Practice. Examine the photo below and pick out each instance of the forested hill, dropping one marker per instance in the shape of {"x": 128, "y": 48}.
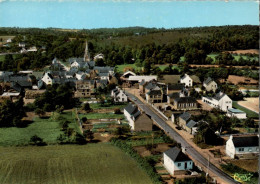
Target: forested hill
{"x": 133, "y": 45}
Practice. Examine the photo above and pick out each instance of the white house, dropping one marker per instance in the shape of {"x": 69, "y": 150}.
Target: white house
{"x": 21, "y": 44}
{"x": 176, "y": 162}
{"x": 9, "y": 40}
{"x": 32, "y": 49}
{"x": 232, "y": 112}
{"x": 118, "y": 95}
{"x": 221, "y": 101}
{"x": 138, "y": 121}
{"x": 98, "y": 56}
{"x": 139, "y": 78}
{"x": 47, "y": 79}
{"x": 187, "y": 80}
{"x": 128, "y": 74}
{"x": 242, "y": 147}
{"x": 210, "y": 85}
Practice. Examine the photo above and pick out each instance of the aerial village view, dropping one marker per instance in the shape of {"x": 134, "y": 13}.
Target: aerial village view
{"x": 129, "y": 92}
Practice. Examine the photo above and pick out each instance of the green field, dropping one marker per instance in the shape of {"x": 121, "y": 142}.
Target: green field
{"x": 120, "y": 68}
{"x": 101, "y": 116}
{"x": 47, "y": 129}
{"x": 98, "y": 106}
{"x": 248, "y": 112}
{"x": 69, "y": 164}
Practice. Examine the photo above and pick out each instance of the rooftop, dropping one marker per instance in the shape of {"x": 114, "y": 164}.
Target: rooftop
{"x": 176, "y": 155}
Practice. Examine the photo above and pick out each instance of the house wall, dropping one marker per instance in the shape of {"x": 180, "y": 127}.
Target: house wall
{"x": 168, "y": 164}
{"x": 143, "y": 123}
{"x": 181, "y": 165}
{"x": 185, "y": 106}
{"x": 187, "y": 81}
{"x": 121, "y": 97}
{"x": 182, "y": 122}
{"x": 211, "y": 86}
{"x": 238, "y": 115}
{"x": 47, "y": 80}
{"x": 230, "y": 148}
{"x": 128, "y": 117}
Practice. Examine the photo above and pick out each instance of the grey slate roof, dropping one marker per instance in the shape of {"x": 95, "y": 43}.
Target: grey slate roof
{"x": 219, "y": 95}
{"x": 142, "y": 83}
{"x": 191, "y": 124}
{"x": 207, "y": 81}
{"x": 174, "y": 95}
{"x": 251, "y": 141}
{"x": 131, "y": 109}
{"x": 176, "y": 155}
{"x": 186, "y": 100}
{"x": 150, "y": 86}
{"x": 154, "y": 92}
{"x": 175, "y": 86}
{"x": 185, "y": 116}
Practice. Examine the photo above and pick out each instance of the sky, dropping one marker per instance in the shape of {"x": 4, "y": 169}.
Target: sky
{"x": 90, "y": 14}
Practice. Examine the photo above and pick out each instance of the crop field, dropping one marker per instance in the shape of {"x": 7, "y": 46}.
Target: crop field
{"x": 47, "y": 129}
{"x": 69, "y": 164}
{"x": 248, "y": 112}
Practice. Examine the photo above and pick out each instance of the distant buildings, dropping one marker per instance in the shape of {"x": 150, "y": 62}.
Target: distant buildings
{"x": 118, "y": 95}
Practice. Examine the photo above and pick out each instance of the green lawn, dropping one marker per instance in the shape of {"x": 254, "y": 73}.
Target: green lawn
{"x": 98, "y": 106}
{"x": 69, "y": 164}
{"x": 101, "y": 116}
{"x": 120, "y": 68}
{"x": 47, "y": 129}
{"x": 248, "y": 112}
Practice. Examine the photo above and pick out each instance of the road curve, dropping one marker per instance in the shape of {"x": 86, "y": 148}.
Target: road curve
{"x": 176, "y": 136}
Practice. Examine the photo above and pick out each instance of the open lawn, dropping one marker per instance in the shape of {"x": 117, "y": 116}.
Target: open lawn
{"x": 69, "y": 164}
{"x": 98, "y": 106}
{"x": 101, "y": 116}
{"x": 120, "y": 68}
{"x": 248, "y": 112}
{"x": 47, "y": 129}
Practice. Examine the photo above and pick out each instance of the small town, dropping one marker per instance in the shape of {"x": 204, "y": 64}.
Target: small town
{"x": 129, "y": 105}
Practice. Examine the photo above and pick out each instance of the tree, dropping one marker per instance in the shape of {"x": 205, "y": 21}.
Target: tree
{"x": 86, "y": 107}
{"x": 117, "y": 111}
{"x": 249, "y": 122}
{"x": 88, "y": 134}
{"x": 35, "y": 140}
{"x": 39, "y": 112}
{"x": 80, "y": 139}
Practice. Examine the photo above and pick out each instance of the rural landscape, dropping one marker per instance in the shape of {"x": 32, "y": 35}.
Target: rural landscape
{"x": 129, "y": 105}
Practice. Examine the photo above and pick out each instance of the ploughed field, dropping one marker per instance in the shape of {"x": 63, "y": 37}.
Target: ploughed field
{"x": 69, "y": 164}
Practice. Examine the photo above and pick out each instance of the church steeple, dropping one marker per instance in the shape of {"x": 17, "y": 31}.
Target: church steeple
{"x": 86, "y": 54}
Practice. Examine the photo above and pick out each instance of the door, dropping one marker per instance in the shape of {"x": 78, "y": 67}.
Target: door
{"x": 185, "y": 165}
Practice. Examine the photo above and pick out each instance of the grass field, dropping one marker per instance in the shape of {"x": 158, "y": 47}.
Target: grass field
{"x": 47, "y": 129}
{"x": 101, "y": 116}
{"x": 120, "y": 68}
{"x": 98, "y": 106}
{"x": 248, "y": 112}
{"x": 2, "y": 57}
{"x": 69, "y": 164}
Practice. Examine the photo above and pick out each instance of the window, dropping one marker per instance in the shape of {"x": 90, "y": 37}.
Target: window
{"x": 241, "y": 149}
{"x": 179, "y": 164}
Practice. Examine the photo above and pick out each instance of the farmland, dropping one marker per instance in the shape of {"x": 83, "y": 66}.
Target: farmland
{"x": 248, "y": 112}
{"x": 101, "y": 116}
{"x": 46, "y": 128}
{"x": 69, "y": 164}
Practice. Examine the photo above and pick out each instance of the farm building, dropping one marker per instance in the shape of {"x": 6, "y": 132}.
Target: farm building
{"x": 221, "y": 101}
{"x": 232, "y": 112}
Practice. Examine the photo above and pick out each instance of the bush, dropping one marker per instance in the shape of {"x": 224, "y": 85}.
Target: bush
{"x": 117, "y": 111}
{"x": 144, "y": 164}
{"x": 39, "y": 112}
{"x": 35, "y": 140}
{"x": 86, "y": 107}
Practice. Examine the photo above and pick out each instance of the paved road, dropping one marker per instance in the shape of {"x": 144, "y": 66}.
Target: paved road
{"x": 189, "y": 149}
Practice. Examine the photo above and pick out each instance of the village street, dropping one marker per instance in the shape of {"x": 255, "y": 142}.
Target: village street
{"x": 199, "y": 158}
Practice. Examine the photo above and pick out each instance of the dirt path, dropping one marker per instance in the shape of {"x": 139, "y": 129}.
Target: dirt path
{"x": 251, "y": 104}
